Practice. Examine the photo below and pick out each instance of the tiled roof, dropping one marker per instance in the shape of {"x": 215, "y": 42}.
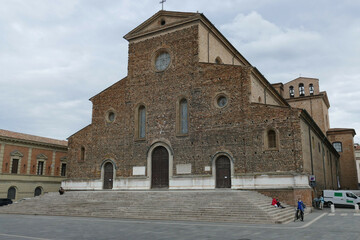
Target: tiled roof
{"x": 28, "y": 137}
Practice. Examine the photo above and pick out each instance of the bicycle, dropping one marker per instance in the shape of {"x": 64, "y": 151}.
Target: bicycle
{"x": 299, "y": 214}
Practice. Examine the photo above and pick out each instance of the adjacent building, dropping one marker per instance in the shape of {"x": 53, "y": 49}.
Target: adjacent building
{"x": 357, "y": 157}
{"x": 305, "y": 93}
{"x": 30, "y": 165}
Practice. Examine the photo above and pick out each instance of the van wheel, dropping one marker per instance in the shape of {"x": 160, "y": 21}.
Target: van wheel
{"x": 329, "y": 204}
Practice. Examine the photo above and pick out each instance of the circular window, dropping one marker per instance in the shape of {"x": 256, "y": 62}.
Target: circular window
{"x": 222, "y": 101}
{"x": 111, "y": 116}
{"x": 162, "y": 61}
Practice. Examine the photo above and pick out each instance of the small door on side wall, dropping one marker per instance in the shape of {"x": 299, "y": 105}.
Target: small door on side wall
{"x": 37, "y": 192}
{"x": 11, "y": 193}
{"x": 108, "y": 175}
{"x": 223, "y": 172}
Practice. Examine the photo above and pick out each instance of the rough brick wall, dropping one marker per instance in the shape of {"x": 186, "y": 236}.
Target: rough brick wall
{"x": 237, "y": 129}
{"x": 291, "y": 196}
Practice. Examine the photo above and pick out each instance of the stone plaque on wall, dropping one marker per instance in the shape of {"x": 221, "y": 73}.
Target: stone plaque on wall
{"x": 207, "y": 168}
{"x": 139, "y": 171}
{"x": 183, "y": 168}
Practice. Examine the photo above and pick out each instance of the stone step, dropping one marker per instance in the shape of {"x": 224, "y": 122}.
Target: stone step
{"x": 222, "y": 206}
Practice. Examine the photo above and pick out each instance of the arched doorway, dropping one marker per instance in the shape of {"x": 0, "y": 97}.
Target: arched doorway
{"x": 37, "y": 192}
{"x": 223, "y": 172}
{"x": 11, "y": 193}
{"x": 160, "y": 168}
{"x": 108, "y": 175}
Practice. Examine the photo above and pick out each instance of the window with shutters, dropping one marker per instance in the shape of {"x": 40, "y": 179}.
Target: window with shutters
{"x": 15, "y": 166}
{"x": 63, "y": 169}
{"x": 40, "y": 168}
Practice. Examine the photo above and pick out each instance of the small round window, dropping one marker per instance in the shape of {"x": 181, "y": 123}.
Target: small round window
{"x": 111, "y": 116}
{"x": 162, "y": 61}
{"x": 222, "y": 101}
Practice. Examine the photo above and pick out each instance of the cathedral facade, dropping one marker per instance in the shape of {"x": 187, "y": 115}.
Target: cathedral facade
{"x": 193, "y": 113}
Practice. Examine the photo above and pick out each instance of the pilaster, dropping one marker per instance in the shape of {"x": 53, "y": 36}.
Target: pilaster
{"x": 2, "y": 149}
{"x": 53, "y": 163}
{"x": 29, "y": 161}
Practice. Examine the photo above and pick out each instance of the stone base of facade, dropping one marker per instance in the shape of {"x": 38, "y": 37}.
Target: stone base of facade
{"x": 25, "y": 185}
{"x": 286, "y": 187}
{"x": 290, "y": 196}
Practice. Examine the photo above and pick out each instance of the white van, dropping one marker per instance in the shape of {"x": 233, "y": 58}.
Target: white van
{"x": 340, "y": 197}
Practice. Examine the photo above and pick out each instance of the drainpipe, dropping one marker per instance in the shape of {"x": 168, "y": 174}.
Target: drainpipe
{"x": 311, "y": 154}
{"x": 323, "y": 157}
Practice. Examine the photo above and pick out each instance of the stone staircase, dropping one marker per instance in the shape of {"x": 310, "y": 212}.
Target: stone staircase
{"x": 205, "y": 205}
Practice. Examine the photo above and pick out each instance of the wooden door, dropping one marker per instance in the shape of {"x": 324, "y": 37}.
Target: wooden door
{"x": 108, "y": 175}
{"x": 160, "y": 168}
{"x": 11, "y": 193}
{"x": 223, "y": 172}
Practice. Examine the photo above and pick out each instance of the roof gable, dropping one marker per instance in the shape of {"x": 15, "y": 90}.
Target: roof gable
{"x": 160, "y": 21}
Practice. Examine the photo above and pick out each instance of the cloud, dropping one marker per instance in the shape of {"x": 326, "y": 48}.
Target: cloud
{"x": 55, "y": 55}
{"x": 329, "y": 52}
{"x": 261, "y": 39}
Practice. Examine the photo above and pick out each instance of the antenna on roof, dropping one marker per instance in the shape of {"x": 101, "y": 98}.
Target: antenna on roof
{"x": 162, "y": 4}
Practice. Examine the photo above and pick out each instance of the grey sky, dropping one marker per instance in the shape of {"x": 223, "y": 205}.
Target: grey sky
{"x": 56, "y": 54}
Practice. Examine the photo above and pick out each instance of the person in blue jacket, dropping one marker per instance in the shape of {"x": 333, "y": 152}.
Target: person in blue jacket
{"x": 300, "y": 210}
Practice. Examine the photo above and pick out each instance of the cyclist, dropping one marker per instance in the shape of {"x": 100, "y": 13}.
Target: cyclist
{"x": 300, "y": 210}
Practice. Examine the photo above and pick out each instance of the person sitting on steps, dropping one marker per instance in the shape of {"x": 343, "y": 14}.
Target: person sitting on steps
{"x": 61, "y": 191}
{"x": 276, "y": 203}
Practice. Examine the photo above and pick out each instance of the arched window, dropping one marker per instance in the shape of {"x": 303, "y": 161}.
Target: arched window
{"x": 311, "y": 89}
{"x": 271, "y": 139}
{"x": 301, "y": 89}
{"x": 82, "y": 156}
{"x": 218, "y": 60}
{"x": 291, "y": 91}
{"x": 337, "y": 146}
{"x": 37, "y": 191}
{"x": 141, "y": 121}
{"x": 11, "y": 193}
{"x": 183, "y": 116}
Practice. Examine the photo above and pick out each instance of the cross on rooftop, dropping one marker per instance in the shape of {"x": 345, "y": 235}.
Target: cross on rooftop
{"x": 162, "y": 4}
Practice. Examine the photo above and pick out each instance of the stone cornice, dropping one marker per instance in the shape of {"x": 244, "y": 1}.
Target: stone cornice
{"x": 321, "y": 95}
{"x": 337, "y": 131}
{"x": 16, "y": 153}
{"x": 29, "y": 143}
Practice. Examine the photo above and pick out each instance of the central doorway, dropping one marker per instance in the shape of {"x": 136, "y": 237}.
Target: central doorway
{"x": 108, "y": 175}
{"x": 160, "y": 168}
{"x": 223, "y": 172}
